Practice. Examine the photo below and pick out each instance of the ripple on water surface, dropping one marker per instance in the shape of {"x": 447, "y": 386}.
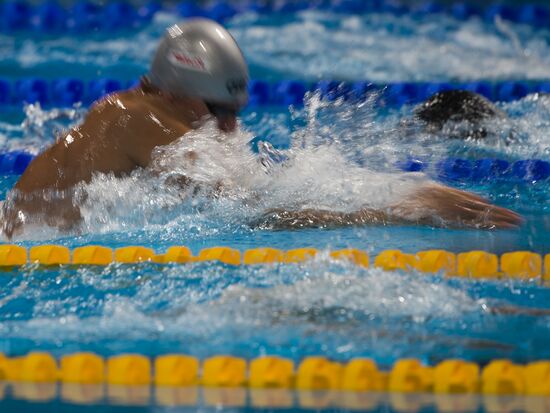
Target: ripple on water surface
{"x": 338, "y": 156}
{"x": 291, "y": 310}
{"x": 377, "y": 47}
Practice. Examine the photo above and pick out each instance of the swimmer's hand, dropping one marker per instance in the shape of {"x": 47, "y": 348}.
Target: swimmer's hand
{"x": 439, "y": 205}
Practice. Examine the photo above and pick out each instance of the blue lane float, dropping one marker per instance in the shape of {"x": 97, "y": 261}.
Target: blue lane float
{"x": 84, "y": 16}
{"x": 449, "y": 169}
{"x": 532, "y": 14}
{"x": 531, "y": 170}
{"x": 14, "y": 163}
{"x": 481, "y": 170}
{"x": 81, "y": 16}
{"x": 31, "y": 90}
{"x": 288, "y": 92}
{"x": 66, "y": 92}
{"x": 489, "y": 169}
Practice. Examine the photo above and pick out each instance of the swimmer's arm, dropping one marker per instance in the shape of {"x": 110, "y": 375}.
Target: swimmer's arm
{"x": 441, "y": 206}
{"x": 435, "y": 205}
{"x": 318, "y": 218}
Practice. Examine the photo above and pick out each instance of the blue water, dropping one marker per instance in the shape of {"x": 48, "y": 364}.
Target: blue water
{"x": 333, "y": 155}
{"x": 43, "y": 398}
{"x": 309, "y": 45}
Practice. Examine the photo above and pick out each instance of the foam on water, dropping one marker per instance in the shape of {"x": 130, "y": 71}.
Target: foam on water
{"x": 235, "y": 187}
{"x": 335, "y": 159}
{"x": 381, "y": 135}
{"x": 378, "y": 292}
{"x": 531, "y": 121}
{"x": 339, "y": 156}
{"x": 38, "y": 127}
{"x": 386, "y": 48}
{"x": 320, "y": 307}
{"x": 377, "y": 47}
{"x": 289, "y": 309}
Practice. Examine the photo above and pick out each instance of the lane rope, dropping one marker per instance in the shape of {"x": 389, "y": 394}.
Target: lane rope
{"x": 449, "y": 169}
{"x": 472, "y": 264}
{"x": 86, "y": 16}
{"x": 313, "y": 373}
{"x": 68, "y": 91}
{"x": 482, "y": 170}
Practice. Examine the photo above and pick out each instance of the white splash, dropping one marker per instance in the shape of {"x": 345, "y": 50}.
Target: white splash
{"x": 227, "y": 183}
{"x": 377, "y": 47}
{"x": 341, "y": 156}
{"x": 313, "y": 299}
{"x": 389, "y": 48}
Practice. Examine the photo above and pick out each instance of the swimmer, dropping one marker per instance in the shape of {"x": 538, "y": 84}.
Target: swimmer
{"x": 464, "y": 113}
{"x": 198, "y": 73}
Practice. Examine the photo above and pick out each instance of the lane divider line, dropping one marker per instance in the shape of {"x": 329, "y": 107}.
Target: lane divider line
{"x": 453, "y": 376}
{"x": 449, "y": 169}
{"x": 84, "y": 17}
{"x": 472, "y": 264}
{"x": 68, "y": 91}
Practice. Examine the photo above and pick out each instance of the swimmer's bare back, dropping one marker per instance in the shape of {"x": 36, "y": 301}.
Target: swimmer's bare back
{"x": 117, "y": 136}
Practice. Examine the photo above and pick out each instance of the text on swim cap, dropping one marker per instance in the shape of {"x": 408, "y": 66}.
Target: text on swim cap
{"x": 182, "y": 59}
{"x": 236, "y": 86}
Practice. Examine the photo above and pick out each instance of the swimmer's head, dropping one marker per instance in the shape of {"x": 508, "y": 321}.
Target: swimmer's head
{"x": 199, "y": 58}
{"x": 453, "y": 107}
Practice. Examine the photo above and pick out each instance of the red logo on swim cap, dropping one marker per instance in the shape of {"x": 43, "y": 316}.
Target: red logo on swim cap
{"x": 192, "y": 62}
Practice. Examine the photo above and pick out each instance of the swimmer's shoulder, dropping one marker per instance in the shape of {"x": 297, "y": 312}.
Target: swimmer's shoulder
{"x": 125, "y": 103}
{"x": 141, "y": 115}
{"x": 117, "y": 102}
{"x": 125, "y": 109}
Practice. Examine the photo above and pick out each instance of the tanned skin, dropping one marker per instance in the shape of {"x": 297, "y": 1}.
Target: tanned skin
{"x": 120, "y": 132}
{"x": 117, "y": 136}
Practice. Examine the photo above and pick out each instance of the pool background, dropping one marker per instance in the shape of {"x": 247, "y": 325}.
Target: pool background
{"x": 207, "y": 400}
{"x": 380, "y": 47}
{"x": 321, "y": 307}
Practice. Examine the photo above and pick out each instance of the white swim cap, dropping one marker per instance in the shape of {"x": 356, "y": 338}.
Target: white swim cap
{"x": 200, "y": 58}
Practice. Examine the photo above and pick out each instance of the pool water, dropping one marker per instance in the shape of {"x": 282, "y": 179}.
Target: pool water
{"x": 42, "y": 397}
{"x": 309, "y": 45}
{"x": 334, "y": 155}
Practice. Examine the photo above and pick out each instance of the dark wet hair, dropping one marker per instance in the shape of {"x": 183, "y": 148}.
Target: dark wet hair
{"x": 146, "y": 85}
{"x": 458, "y": 106}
